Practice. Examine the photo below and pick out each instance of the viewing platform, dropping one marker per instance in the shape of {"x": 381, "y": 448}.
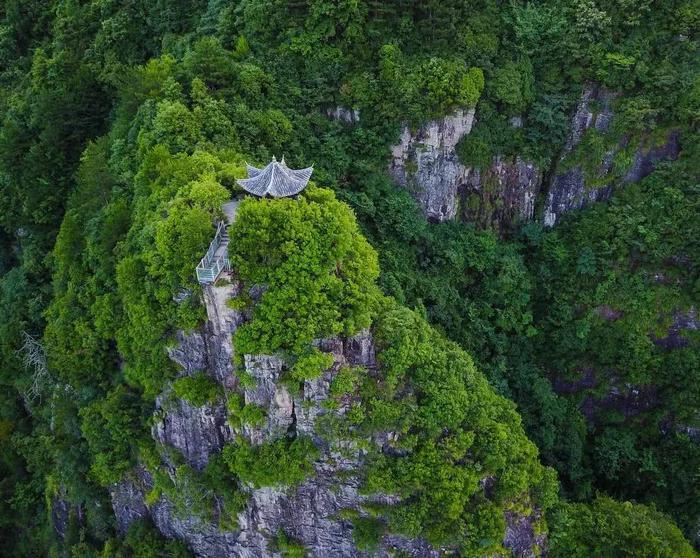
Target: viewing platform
{"x": 276, "y": 180}
{"x": 216, "y": 261}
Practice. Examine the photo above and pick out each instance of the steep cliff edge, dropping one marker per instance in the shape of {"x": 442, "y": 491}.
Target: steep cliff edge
{"x": 577, "y": 183}
{"x": 426, "y": 163}
{"x": 349, "y": 448}
{"x": 315, "y": 513}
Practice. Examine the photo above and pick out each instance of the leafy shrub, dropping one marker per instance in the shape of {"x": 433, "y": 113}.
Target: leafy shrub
{"x": 288, "y": 547}
{"x": 452, "y": 429}
{"x": 310, "y": 365}
{"x": 319, "y": 270}
{"x": 345, "y": 381}
{"x": 198, "y": 389}
{"x": 112, "y": 427}
{"x": 281, "y": 462}
{"x": 367, "y": 533}
{"x": 610, "y": 528}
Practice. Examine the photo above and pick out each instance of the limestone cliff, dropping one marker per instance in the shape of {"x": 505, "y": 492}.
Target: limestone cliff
{"x": 572, "y": 187}
{"x": 506, "y": 192}
{"x": 309, "y": 513}
{"x": 425, "y": 162}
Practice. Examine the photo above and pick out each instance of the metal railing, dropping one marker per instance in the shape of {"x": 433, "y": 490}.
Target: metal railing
{"x": 214, "y": 244}
{"x": 210, "y": 266}
{"x": 209, "y": 274}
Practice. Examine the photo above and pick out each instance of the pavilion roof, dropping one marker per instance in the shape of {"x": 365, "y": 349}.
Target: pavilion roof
{"x": 276, "y": 180}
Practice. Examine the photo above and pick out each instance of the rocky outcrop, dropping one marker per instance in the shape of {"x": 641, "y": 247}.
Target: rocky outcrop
{"x": 568, "y": 189}
{"x": 676, "y": 336}
{"x": 523, "y": 538}
{"x": 269, "y": 394}
{"x": 503, "y": 194}
{"x": 197, "y": 432}
{"x": 425, "y": 162}
{"x": 343, "y": 114}
{"x": 128, "y": 498}
{"x": 571, "y": 188}
{"x": 647, "y": 156}
{"x": 62, "y": 513}
{"x": 312, "y": 513}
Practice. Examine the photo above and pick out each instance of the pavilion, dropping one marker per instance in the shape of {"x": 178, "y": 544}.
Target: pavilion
{"x": 276, "y": 180}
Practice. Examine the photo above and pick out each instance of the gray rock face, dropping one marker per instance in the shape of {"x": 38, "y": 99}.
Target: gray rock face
{"x": 427, "y": 165}
{"x": 204, "y": 539}
{"x": 683, "y": 322}
{"x": 569, "y": 189}
{"x": 503, "y": 194}
{"x": 521, "y": 538}
{"x": 269, "y": 394}
{"x": 343, "y": 114}
{"x": 221, "y": 325}
{"x": 128, "y": 500}
{"x": 309, "y": 513}
{"x": 498, "y": 197}
{"x": 646, "y": 158}
{"x": 197, "y": 432}
{"x": 61, "y": 510}
{"x": 190, "y": 353}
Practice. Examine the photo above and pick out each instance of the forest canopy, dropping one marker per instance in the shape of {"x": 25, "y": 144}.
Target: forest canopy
{"x": 562, "y": 361}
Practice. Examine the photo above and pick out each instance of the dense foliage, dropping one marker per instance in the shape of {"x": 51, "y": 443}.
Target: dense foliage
{"x": 610, "y": 528}
{"x": 318, "y": 272}
{"x": 452, "y": 431}
{"x": 123, "y": 126}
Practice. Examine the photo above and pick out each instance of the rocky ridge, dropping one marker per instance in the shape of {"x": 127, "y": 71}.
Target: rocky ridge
{"x": 425, "y": 162}
{"x": 309, "y": 513}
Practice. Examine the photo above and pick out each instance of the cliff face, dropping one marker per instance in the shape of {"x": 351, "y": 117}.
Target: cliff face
{"x": 310, "y": 512}
{"x": 501, "y": 195}
{"x": 426, "y": 164}
{"x": 572, "y": 189}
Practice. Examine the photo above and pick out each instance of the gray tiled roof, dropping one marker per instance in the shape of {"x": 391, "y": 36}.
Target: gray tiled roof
{"x": 276, "y": 180}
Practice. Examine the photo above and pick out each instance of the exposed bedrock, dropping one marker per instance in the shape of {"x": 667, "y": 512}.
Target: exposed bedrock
{"x": 425, "y": 162}
{"x": 502, "y": 195}
{"x": 309, "y": 513}
{"x": 571, "y": 188}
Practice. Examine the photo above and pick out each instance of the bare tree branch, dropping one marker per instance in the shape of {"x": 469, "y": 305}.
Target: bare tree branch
{"x": 34, "y": 358}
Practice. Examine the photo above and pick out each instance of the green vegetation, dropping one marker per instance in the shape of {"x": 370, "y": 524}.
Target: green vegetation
{"x": 318, "y": 252}
{"x": 287, "y": 547}
{"x": 197, "y": 390}
{"x": 613, "y": 282}
{"x": 453, "y": 431}
{"x": 123, "y": 128}
{"x": 142, "y": 540}
{"x": 367, "y": 532}
{"x": 610, "y": 528}
{"x": 281, "y": 462}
